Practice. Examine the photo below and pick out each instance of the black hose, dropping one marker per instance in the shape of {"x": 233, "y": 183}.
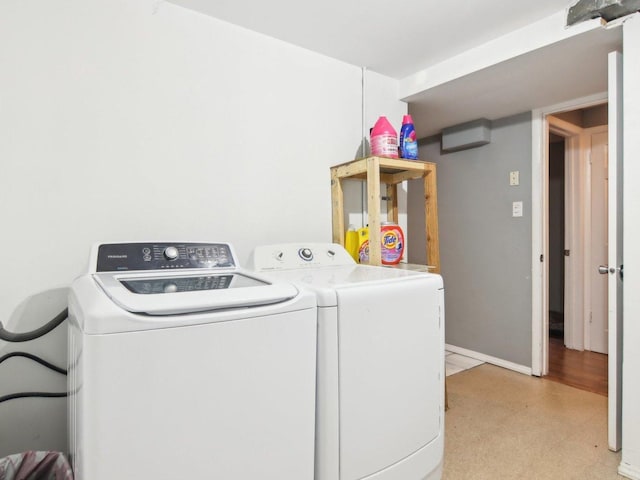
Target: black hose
{"x": 12, "y": 396}
{"x": 25, "y": 337}
{"x": 37, "y": 333}
{"x": 35, "y": 359}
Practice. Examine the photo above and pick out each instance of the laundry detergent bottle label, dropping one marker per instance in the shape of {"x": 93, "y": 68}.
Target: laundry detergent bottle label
{"x": 392, "y": 239}
{"x": 408, "y": 140}
{"x": 384, "y": 139}
{"x": 363, "y": 245}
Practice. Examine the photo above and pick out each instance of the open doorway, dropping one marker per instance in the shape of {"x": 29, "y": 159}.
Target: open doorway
{"x": 556, "y": 235}
{"x": 577, "y": 239}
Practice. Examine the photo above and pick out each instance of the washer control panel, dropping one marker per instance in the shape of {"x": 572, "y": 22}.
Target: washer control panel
{"x": 113, "y": 257}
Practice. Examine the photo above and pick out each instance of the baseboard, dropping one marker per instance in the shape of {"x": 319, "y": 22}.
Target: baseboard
{"x": 629, "y": 471}
{"x": 489, "y": 359}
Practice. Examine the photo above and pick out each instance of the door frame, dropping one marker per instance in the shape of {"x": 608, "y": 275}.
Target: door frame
{"x": 578, "y": 211}
{"x": 575, "y": 166}
{"x": 540, "y": 226}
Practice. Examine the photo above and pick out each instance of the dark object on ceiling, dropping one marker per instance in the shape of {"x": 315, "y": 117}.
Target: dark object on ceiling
{"x": 606, "y": 9}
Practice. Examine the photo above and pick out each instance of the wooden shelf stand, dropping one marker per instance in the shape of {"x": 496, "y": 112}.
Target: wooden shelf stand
{"x": 389, "y": 171}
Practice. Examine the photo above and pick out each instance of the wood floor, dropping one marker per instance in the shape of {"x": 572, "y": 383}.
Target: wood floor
{"x": 581, "y": 369}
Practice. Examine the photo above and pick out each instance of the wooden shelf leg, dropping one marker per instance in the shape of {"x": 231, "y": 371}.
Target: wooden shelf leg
{"x": 431, "y": 220}
{"x": 373, "y": 207}
{"x": 392, "y": 202}
{"x": 337, "y": 207}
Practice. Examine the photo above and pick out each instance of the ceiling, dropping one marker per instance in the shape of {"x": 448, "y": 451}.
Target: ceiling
{"x": 572, "y": 69}
{"x": 398, "y": 39}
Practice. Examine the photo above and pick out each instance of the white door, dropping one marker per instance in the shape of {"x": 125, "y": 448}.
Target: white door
{"x": 614, "y": 268}
{"x": 598, "y": 313}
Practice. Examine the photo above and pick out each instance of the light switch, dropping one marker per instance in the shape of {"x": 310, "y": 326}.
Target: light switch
{"x": 516, "y": 209}
{"x": 514, "y": 178}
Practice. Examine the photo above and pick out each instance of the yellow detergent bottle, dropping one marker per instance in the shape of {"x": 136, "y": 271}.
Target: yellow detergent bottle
{"x": 363, "y": 245}
{"x": 351, "y": 242}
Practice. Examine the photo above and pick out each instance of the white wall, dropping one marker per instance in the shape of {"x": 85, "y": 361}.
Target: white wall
{"x": 631, "y": 353}
{"x": 380, "y": 99}
{"x": 378, "y": 90}
{"x": 142, "y": 120}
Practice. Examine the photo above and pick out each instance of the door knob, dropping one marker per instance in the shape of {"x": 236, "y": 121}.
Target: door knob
{"x": 604, "y": 269}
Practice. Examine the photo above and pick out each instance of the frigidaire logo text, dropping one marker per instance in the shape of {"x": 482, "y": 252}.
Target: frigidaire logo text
{"x": 116, "y": 256}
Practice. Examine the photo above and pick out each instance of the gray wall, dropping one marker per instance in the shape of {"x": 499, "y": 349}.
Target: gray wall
{"x": 485, "y": 252}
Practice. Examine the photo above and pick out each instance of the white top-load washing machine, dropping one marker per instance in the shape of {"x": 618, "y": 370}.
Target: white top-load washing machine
{"x": 380, "y": 403}
{"x": 184, "y": 366}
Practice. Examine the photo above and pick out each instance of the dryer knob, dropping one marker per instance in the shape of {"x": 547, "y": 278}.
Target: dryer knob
{"x": 306, "y": 254}
{"x": 171, "y": 253}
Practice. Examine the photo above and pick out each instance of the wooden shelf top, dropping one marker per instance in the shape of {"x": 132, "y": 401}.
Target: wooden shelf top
{"x": 392, "y": 170}
{"x": 388, "y": 165}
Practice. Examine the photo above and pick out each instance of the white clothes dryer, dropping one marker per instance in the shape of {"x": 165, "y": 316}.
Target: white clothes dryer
{"x": 380, "y": 403}
{"x": 183, "y": 365}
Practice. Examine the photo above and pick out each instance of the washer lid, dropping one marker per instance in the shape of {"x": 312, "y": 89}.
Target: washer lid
{"x": 185, "y": 292}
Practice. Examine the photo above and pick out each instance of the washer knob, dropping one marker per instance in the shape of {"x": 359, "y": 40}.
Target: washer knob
{"x": 170, "y": 288}
{"x": 306, "y": 254}
{"x": 171, "y": 253}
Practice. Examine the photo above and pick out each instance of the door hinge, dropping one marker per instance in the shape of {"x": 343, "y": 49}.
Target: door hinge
{"x": 567, "y": 252}
{"x": 541, "y": 257}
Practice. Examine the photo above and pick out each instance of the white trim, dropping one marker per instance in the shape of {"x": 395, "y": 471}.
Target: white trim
{"x": 539, "y": 312}
{"x": 578, "y": 103}
{"x": 614, "y": 254}
{"x": 539, "y": 237}
{"x": 630, "y": 331}
{"x": 629, "y": 471}
{"x": 489, "y": 359}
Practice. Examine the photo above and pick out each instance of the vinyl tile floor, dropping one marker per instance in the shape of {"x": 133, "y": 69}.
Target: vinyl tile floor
{"x": 455, "y": 363}
{"x": 505, "y": 425}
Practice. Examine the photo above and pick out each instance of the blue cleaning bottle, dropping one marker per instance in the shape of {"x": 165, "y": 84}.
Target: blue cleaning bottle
{"x": 408, "y": 140}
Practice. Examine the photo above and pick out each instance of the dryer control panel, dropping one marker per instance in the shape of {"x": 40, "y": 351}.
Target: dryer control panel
{"x": 114, "y": 257}
{"x": 293, "y": 255}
